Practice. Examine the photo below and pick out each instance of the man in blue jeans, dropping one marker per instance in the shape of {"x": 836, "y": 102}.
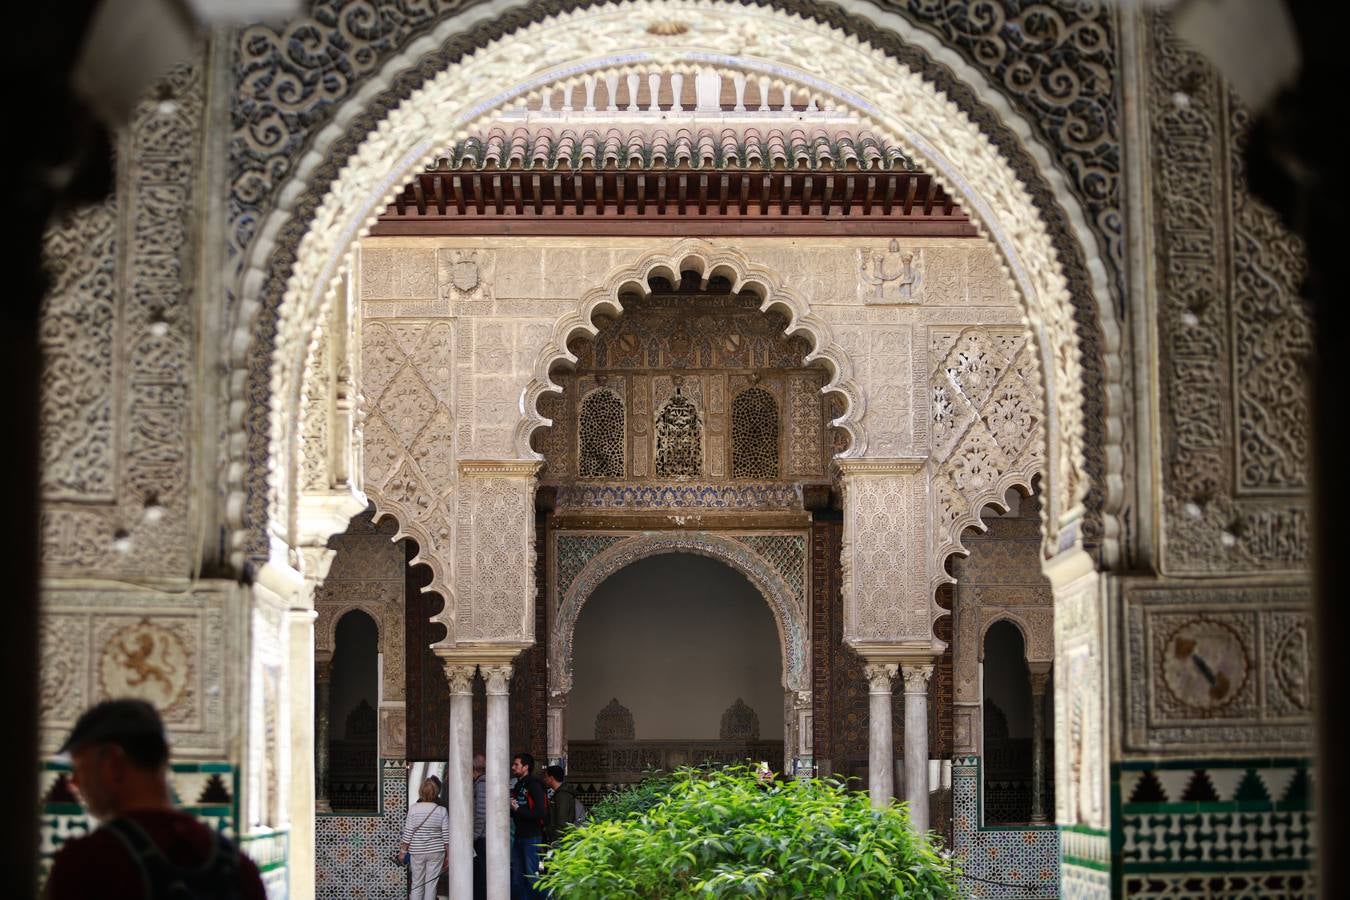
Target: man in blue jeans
{"x": 529, "y": 812}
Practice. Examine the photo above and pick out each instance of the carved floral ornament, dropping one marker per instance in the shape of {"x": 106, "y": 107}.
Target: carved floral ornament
{"x": 751, "y": 40}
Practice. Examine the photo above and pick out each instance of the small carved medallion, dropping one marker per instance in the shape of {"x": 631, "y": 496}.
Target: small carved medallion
{"x": 145, "y": 660}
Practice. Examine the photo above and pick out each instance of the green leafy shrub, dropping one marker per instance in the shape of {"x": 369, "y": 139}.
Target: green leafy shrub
{"x": 723, "y": 834}
{"x": 636, "y": 798}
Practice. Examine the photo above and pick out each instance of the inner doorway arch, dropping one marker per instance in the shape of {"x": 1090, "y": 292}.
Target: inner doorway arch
{"x": 774, "y": 563}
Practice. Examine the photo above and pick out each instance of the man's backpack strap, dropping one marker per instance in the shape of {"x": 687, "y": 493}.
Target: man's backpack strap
{"x": 217, "y": 877}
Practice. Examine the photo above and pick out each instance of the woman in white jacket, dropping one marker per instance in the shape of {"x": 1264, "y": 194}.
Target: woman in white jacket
{"x": 426, "y": 838}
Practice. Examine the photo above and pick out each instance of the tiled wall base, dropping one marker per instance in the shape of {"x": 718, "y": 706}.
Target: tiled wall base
{"x": 1002, "y": 862}
{"x": 1215, "y": 828}
{"x": 354, "y": 854}
{"x": 269, "y": 851}
{"x": 207, "y": 790}
{"x": 1085, "y": 863}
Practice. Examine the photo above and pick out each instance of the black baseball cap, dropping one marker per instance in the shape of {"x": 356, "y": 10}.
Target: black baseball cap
{"x": 133, "y": 725}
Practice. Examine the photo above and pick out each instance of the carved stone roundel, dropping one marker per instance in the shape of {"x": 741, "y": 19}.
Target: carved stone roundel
{"x": 144, "y": 660}
{"x": 1205, "y": 664}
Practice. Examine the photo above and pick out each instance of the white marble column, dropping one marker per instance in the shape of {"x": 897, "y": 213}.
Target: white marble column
{"x": 1040, "y": 674}
{"x": 916, "y": 744}
{"x": 302, "y": 792}
{"x": 498, "y": 751}
{"x": 459, "y": 778}
{"x": 880, "y": 744}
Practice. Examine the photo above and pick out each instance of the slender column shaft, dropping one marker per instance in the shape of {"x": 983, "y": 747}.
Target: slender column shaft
{"x": 557, "y": 734}
{"x": 459, "y": 779}
{"x": 916, "y": 744}
{"x": 1038, "y": 679}
{"x": 302, "y": 782}
{"x": 498, "y": 761}
{"x": 880, "y": 745}
{"x": 323, "y": 670}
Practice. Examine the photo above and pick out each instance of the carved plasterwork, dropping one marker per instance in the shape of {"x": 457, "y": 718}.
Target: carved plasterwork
{"x": 1234, "y": 336}
{"x": 167, "y": 649}
{"x": 408, "y": 452}
{"x": 886, "y": 558}
{"x": 1082, "y": 715}
{"x": 494, "y": 554}
{"x": 367, "y": 573}
{"x": 988, "y": 426}
{"x": 774, "y": 564}
{"x": 118, "y": 333}
{"x": 708, "y": 260}
{"x": 988, "y": 186}
{"x": 1209, "y": 667}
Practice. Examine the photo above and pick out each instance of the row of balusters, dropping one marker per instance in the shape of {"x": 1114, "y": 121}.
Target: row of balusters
{"x": 674, "y": 92}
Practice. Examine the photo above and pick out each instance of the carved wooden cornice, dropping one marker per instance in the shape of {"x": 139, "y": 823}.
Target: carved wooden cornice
{"x": 894, "y": 465}
{"x": 499, "y": 468}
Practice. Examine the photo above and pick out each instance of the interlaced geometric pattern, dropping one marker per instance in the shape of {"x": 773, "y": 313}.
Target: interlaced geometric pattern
{"x": 787, "y": 554}
{"x": 601, "y": 435}
{"x": 574, "y": 551}
{"x": 679, "y": 438}
{"x": 754, "y": 435}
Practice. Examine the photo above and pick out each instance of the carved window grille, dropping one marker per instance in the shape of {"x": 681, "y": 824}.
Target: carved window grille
{"x": 754, "y": 435}
{"x": 600, "y": 432}
{"x": 679, "y": 438}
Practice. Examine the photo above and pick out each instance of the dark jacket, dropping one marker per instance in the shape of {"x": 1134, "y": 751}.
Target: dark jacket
{"x": 531, "y": 812}
{"x": 562, "y": 811}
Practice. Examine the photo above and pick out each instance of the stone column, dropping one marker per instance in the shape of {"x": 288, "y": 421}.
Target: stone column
{"x": 880, "y": 745}
{"x": 302, "y": 782}
{"x": 557, "y": 728}
{"x": 1040, "y": 674}
{"x": 498, "y": 751}
{"x": 459, "y": 778}
{"x": 916, "y": 744}
{"x": 323, "y": 675}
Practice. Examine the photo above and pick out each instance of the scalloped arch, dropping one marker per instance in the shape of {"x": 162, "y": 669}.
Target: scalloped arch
{"x": 879, "y": 89}
{"x": 793, "y": 630}
{"x": 709, "y": 262}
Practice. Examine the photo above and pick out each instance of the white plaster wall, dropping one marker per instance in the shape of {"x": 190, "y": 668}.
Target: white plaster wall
{"x": 676, "y": 638}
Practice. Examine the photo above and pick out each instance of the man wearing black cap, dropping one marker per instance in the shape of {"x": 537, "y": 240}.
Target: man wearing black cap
{"x": 145, "y": 848}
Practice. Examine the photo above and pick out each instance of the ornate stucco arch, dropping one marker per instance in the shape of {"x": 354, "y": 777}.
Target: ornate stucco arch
{"x": 786, "y": 603}
{"x": 891, "y": 98}
{"x": 709, "y": 262}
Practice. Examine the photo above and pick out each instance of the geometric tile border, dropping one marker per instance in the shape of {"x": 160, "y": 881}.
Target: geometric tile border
{"x": 354, "y": 854}
{"x": 1214, "y": 827}
{"x": 207, "y": 790}
{"x": 1005, "y": 861}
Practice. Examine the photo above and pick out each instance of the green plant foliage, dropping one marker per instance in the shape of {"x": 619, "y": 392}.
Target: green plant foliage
{"x": 723, "y": 833}
{"x": 637, "y": 798}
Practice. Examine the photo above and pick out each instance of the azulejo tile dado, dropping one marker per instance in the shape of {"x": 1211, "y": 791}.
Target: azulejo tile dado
{"x": 1215, "y": 827}
{"x": 1002, "y": 862}
{"x": 354, "y": 854}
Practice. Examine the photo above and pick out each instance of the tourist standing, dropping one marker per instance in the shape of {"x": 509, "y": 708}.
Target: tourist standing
{"x": 529, "y": 813}
{"x": 144, "y": 847}
{"x": 426, "y": 838}
{"x": 562, "y": 803}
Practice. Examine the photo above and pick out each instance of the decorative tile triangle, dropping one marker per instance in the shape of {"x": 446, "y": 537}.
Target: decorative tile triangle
{"x": 1226, "y": 781}
{"x": 1277, "y": 781}
{"x": 1174, "y": 783}
{"x": 1148, "y": 790}
{"x": 1199, "y": 789}
{"x": 1252, "y": 789}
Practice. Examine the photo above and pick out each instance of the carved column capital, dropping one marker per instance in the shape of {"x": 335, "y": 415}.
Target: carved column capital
{"x": 1040, "y": 676}
{"x": 880, "y": 677}
{"x": 916, "y": 678}
{"x": 498, "y": 678}
{"x": 323, "y": 667}
{"x": 459, "y": 676}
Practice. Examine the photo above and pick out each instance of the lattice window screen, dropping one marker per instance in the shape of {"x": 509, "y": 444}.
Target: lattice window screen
{"x": 600, "y": 431}
{"x": 754, "y": 435}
